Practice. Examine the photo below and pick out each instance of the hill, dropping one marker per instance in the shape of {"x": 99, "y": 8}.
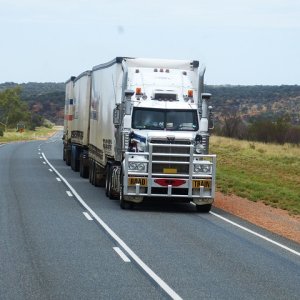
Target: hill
{"x": 258, "y": 101}
{"x": 251, "y": 102}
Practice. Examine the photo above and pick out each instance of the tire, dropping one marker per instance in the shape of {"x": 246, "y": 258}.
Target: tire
{"x": 99, "y": 178}
{"x": 68, "y": 157}
{"x": 64, "y": 154}
{"x": 126, "y": 204}
{"x": 113, "y": 193}
{"x": 107, "y": 179}
{"x": 123, "y": 203}
{"x": 75, "y": 152}
{"x": 92, "y": 171}
{"x": 204, "y": 208}
{"x": 83, "y": 168}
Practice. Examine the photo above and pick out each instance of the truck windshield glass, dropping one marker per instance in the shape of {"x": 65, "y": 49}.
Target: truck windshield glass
{"x": 174, "y": 120}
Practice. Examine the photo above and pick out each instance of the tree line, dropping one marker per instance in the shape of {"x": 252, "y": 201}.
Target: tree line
{"x": 262, "y": 113}
{"x": 279, "y": 130}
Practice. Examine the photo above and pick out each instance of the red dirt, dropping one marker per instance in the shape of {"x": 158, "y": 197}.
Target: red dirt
{"x": 273, "y": 219}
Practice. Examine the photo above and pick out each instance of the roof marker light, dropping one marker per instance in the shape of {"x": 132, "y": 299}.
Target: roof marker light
{"x": 190, "y": 93}
{"x": 138, "y": 91}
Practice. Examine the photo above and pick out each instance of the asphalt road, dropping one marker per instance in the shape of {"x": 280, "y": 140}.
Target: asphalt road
{"x": 61, "y": 238}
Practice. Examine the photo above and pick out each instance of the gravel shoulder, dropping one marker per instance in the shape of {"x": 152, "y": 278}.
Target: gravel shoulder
{"x": 273, "y": 219}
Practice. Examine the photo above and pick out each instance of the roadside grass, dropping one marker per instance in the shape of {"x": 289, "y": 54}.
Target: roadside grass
{"x": 41, "y": 133}
{"x": 259, "y": 172}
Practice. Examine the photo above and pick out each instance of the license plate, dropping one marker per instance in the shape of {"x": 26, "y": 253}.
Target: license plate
{"x": 170, "y": 171}
{"x": 204, "y": 183}
{"x": 136, "y": 180}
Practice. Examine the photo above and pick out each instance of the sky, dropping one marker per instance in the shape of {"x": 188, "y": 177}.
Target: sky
{"x": 241, "y": 42}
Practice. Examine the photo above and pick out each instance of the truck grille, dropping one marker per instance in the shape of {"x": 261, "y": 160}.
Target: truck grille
{"x": 175, "y": 153}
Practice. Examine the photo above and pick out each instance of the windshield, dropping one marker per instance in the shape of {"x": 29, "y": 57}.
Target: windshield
{"x": 162, "y": 119}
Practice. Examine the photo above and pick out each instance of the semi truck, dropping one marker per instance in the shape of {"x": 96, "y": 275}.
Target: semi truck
{"x": 140, "y": 128}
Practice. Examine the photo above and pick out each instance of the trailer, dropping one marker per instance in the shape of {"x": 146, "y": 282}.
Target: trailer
{"x": 148, "y": 131}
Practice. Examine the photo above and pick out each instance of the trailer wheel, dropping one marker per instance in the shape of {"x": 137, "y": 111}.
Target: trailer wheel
{"x": 64, "y": 154}
{"x": 83, "y": 168}
{"x": 92, "y": 172}
{"x": 75, "y": 152}
{"x": 203, "y": 208}
{"x": 68, "y": 157}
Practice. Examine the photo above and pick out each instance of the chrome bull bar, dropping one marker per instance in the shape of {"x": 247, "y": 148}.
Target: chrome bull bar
{"x": 169, "y": 173}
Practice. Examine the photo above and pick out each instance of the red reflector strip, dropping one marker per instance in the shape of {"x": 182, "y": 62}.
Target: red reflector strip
{"x": 172, "y": 182}
{"x": 69, "y": 117}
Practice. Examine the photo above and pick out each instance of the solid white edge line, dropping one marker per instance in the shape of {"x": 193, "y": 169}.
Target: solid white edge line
{"x": 69, "y": 193}
{"x": 87, "y": 216}
{"x": 155, "y": 277}
{"x": 256, "y": 234}
{"x": 122, "y": 254}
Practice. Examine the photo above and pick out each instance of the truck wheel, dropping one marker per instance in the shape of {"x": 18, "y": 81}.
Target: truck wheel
{"x": 68, "y": 157}
{"x": 64, "y": 154}
{"x": 107, "y": 180}
{"x": 126, "y": 204}
{"x": 99, "y": 179}
{"x": 113, "y": 190}
{"x": 75, "y": 158}
{"x": 83, "y": 168}
{"x": 123, "y": 203}
{"x": 92, "y": 172}
{"x": 203, "y": 208}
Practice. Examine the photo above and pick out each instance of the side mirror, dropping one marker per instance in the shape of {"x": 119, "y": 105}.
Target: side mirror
{"x": 128, "y": 93}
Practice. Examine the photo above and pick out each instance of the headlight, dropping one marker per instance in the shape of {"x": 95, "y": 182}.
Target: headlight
{"x": 199, "y": 148}
{"x": 137, "y": 166}
{"x": 202, "y": 168}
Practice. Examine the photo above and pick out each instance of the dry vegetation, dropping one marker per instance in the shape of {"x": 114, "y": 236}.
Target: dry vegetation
{"x": 259, "y": 172}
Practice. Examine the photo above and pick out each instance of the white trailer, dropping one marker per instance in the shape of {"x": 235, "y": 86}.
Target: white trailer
{"x": 76, "y": 146}
{"x": 68, "y": 118}
{"x": 148, "y": 131}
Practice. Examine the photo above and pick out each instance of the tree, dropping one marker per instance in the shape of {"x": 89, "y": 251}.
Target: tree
{"x": 12, "y": 109}
{"x": 233, "y": 126}
{"x": 268, "y": 131}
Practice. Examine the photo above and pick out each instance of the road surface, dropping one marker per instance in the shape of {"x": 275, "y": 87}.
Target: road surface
{"x": 61, "y": 238}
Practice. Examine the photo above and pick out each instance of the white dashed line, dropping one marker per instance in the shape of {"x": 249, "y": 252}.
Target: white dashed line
{"x": 163, "y": 285}
{"x": 87, "y": 216}
{"x": 58, "y": 179}
{"x": 121, "y": 254}
{"x": 69, "y": 194}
